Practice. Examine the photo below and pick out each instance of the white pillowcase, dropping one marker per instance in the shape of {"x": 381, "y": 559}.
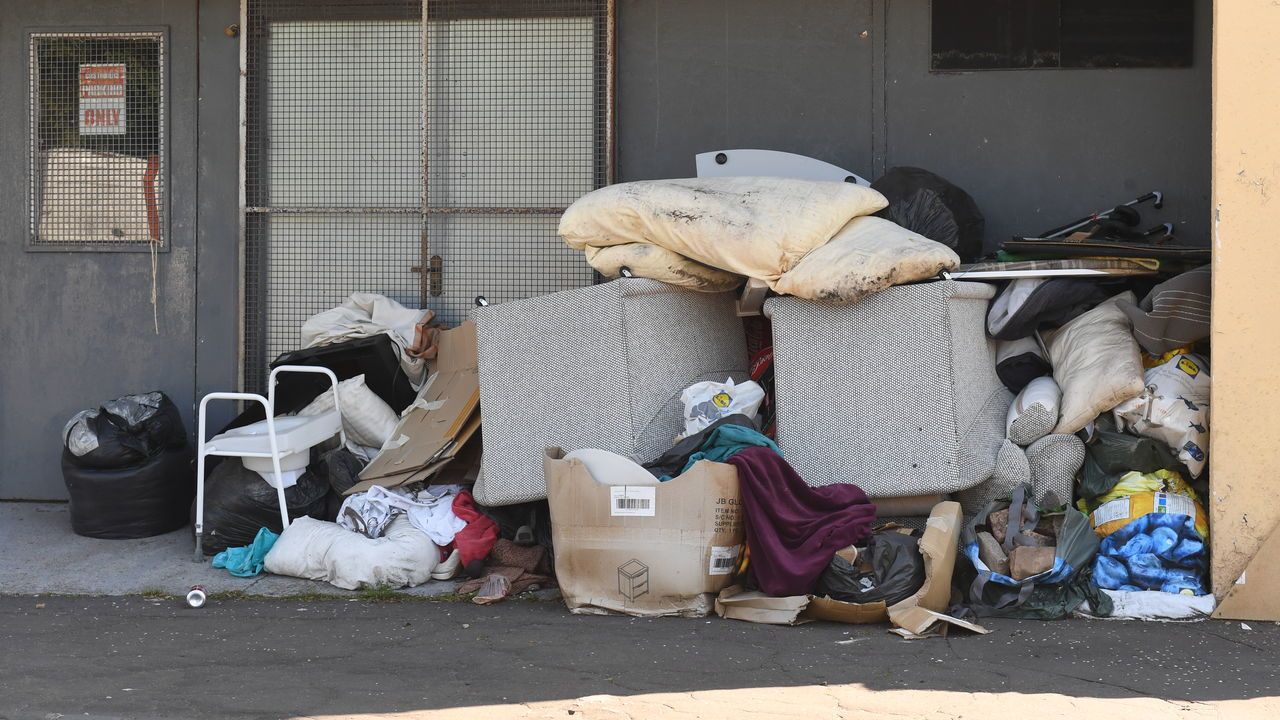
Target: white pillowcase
{"x": 367, "y": 419}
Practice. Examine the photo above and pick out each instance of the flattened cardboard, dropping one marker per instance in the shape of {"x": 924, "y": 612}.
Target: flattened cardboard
{"x": 735, "y": 604}
{"x": 440, "y": 421}
{"x": 669, "y": 563}
{"x": 920, "y": 613}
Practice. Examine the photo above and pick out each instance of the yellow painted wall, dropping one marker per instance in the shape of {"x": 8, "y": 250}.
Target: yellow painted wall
{"x": 1245, "y": 452}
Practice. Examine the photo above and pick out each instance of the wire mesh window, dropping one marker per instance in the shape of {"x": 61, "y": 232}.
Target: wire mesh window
{"x": 430, "y": 167}
{"x": 98, "y": 160}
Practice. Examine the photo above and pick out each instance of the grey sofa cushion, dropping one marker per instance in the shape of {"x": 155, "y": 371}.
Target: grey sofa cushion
{"x": 599, "y": 367}
{"x": 896, "y": 393}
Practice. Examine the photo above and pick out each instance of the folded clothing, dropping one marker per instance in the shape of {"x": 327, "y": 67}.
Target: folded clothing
{"x": 794, "y": 530}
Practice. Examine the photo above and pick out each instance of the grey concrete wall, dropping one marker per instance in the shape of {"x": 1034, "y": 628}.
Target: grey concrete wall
{"x": 76, "y": 328}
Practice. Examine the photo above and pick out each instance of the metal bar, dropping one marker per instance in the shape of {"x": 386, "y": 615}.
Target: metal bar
{"x": 242, "y": 248}
{"x": 610, "y": 107}
{"x": 375, "y": 210}
{"x": 424, "y": 245}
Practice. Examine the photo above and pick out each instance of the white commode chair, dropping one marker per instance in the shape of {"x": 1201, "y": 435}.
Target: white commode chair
{"x": 277, "y": 448}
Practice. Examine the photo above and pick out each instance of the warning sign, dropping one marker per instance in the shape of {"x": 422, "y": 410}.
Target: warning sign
{"x": 102, "y": 99}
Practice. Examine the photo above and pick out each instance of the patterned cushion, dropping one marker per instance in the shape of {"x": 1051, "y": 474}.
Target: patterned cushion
{"x": 598, "y": 367}
{"x": 1012, "y": 469}
{"x": 896, "y": 393}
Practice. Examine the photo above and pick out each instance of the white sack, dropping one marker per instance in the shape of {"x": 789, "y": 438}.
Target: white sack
{"x": 1096, "y": 362}
{"x": 1174, "y": 409}
{"x": 367, "y": 420}
{"x": 317, "y": 550}
{"x": 366, "y": 314}
{"x": 866, "y": 256}
{"x": 707, "y": 402}
{"x": 753, "y": 226}
{"x": 656, "y": 263}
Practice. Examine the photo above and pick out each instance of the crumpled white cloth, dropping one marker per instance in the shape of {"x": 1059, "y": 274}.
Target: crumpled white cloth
{"x": 365, "y": 315}
{"x": 429, "y": 510}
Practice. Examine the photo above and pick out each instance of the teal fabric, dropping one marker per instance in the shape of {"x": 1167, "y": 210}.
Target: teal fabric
{"x": 726, "y": 441}
{"x": 247, "y": 561}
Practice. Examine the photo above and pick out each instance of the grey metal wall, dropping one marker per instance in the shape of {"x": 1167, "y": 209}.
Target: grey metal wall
{"x": 1034, "y": 148}
{"x": 698, "y": 75}
{"x": 76, "y": 328}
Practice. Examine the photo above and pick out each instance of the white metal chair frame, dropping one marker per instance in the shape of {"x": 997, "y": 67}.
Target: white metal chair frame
{"x": 268, "y": 403}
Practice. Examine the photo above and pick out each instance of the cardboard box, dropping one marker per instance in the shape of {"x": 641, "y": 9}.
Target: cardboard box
{"x": 643, "y": 550}
{"x": 917, "y": 616}
{"x": 437, "y": 426}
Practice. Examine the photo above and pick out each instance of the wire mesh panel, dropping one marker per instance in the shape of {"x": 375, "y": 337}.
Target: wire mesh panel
{"x": 516, "y": 122}
{"x": 98, "y": 157}
{"x": 333, "y": 165}
{"x": 428, "y": 176}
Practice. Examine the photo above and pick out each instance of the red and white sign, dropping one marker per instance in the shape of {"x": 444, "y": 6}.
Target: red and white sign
{"x": 102, "y": 99}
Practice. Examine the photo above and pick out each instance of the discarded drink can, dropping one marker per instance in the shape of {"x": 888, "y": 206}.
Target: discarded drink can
{"x": 196, "y": 596}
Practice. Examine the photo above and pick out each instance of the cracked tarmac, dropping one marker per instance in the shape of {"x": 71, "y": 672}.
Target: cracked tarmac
{"x": 102, "y": 657}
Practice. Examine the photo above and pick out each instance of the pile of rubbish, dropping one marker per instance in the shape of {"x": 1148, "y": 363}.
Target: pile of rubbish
{"x": 1028, "y": 429}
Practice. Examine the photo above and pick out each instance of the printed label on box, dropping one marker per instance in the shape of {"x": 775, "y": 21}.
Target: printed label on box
{"x": 1115, "y": 510}
{"x": 633, "y": 501}
{"x": 723, "y": 559}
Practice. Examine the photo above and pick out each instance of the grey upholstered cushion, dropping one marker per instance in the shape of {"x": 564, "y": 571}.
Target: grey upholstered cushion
{"x": 1032, "y": 424}
{"x": 599, "y": 367}
{"x": 896, "y": 393}
{"x": 1012, "y": 469}
{"x": 1054, "y": 461}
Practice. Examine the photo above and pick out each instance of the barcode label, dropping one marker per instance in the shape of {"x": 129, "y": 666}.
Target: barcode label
{"x": 1117, "y": 509}
{"x": 724, "y": 560}
{"x": 632, "y": 501}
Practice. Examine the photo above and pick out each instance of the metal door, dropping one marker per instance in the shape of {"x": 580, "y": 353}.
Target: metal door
{"x": 368, "y": 168}
{"x": 97, "y": 275}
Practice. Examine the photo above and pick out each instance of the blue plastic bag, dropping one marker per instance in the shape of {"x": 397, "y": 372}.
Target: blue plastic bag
{"x": 247, "y": 561}
{"x": 1157, "y": 551}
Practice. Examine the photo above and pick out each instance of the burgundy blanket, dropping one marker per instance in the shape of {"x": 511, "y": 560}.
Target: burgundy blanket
{"x": 793, "y": 530}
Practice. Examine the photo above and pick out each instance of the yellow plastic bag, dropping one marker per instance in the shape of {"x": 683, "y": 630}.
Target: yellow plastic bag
{"x": 1137, "y": 494}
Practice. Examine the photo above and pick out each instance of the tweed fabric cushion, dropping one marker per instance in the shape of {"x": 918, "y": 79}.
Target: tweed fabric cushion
{"x": 598, "y": 367}
{"x": 1012, "y": 469}
{"x": 1054, "y": 461}
{"x": 896, "y": 393}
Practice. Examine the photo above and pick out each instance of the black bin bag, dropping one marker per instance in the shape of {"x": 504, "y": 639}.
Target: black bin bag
{"x": 147, "y": 499}
{"x": 928, "y": 204}
{"x": 124, "y": 432}
{"x": 897, "y": 572}
{"x": 237, "y": 502}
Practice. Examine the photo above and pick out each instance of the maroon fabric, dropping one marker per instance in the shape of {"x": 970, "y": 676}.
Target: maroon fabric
{"x": 793, "y": 530}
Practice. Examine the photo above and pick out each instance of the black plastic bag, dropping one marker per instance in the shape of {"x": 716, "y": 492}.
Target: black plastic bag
{"x": 1110, "y": 454}
{"x": 134, "y": 502}
{"x": 897, "y": 572}
{"x": 124, "y": 432}
{"x": 928, "y": 204}
{"x": 340, "y": 469}
{"x": 238, "y": 502}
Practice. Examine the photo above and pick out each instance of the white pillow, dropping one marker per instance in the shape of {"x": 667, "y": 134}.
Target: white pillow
{"x": 866, "y": 256}
{"x": 752, "y": 226}
{"x": 1096, "y": 362}
{"x": 367, "y": 419}
{"x": 650, "y": 261}
{"x": 1034, "y": 412}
